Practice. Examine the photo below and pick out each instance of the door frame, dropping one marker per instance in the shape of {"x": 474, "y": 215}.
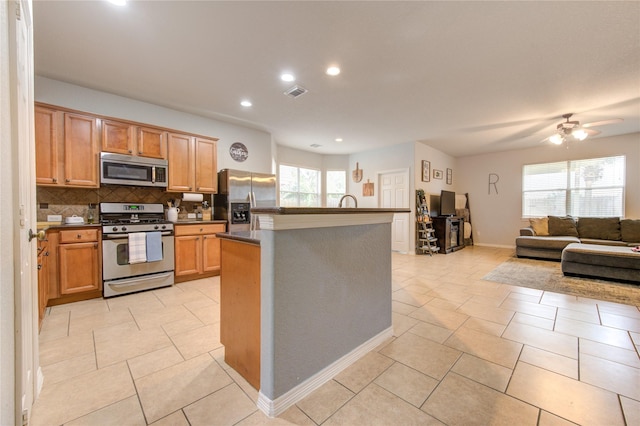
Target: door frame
{"x": 407, "y": 173}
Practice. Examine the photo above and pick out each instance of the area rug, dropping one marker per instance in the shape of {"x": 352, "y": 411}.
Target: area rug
{"x": 547, "y": 276}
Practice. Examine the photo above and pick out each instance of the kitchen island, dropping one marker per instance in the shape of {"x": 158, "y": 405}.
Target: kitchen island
{"x": 324, "y": 295}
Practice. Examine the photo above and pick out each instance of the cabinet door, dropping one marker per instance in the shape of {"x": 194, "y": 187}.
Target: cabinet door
{"x": 181, "y": 163}
{"x": 80, "y": 151}
{"x": 152, "y": 142}
{"x": 46, "y": 128}
{"x": 206, "y": 167}
{"x": 43, "y": 279}
{"x": 117, "y": 137}
{"x": 79, "y": 267}
{"x": 188, "y": 255}
{"x": 211, "y": 253}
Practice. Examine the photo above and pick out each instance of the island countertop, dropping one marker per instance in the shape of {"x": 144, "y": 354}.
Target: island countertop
{"x": 324, "y": 210}
{"x": 251, "y": 237}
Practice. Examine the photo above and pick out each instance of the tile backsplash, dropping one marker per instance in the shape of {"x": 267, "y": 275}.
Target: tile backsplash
{"x": 75, "y": 201}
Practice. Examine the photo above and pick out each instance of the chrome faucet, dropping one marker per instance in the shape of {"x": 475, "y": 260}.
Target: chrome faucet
{"x": 345, "y": 196}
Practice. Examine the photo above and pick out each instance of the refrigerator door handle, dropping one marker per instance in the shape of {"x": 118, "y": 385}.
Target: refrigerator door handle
{"x": 252, "y": 203}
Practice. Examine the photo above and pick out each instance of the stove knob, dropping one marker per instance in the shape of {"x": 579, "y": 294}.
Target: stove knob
{"x": 114, "y": 229}
{"x": 124, "y": 228}
{"x": 156, "y": 227}
{"x": 164, "y": 226}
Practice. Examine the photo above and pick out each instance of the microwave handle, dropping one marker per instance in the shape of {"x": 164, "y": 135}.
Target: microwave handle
{"x": 153, "y": 174}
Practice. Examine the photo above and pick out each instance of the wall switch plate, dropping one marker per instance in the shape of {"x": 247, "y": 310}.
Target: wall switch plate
{"x": 54, "y": 218}
{"x": 191, "y": 215}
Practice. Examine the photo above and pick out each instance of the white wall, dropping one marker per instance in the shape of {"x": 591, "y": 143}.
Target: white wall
{"x": 497, "y": 217}
{"x": 71, "y": 96}
{"x": 372, "y": 162}
{"x": 439, "y": 161}
{"x": 7, "y": 347}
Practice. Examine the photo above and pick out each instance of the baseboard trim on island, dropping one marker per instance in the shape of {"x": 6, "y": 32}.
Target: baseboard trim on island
{"x": 274, "y": 408}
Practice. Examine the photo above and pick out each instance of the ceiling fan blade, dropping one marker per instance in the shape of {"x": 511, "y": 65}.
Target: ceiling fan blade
{"x": 603, "y": 122}
{"x": 592, "y": 132}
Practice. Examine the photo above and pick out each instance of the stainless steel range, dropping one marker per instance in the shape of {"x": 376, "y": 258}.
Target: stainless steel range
{"x": 137, "y": 248}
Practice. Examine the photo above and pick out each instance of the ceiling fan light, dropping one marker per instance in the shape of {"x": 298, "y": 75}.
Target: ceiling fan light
{"x": 580, "y": 134}
{"x": 556, "y": 139}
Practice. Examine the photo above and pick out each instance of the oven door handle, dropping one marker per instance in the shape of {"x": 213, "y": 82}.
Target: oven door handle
{"x": 124, "y": 236}
{"x": 138, "y": 280}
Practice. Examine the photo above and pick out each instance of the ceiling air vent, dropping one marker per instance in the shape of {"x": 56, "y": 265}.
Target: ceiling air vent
{"x": 296, "y": 91}
{"x": 315, "y": 145}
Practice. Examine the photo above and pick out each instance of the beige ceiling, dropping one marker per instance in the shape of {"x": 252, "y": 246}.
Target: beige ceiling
{"x": 463, "y": 77}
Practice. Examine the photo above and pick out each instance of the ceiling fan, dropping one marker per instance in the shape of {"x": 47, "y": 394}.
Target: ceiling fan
{"x": 573, "y": 129}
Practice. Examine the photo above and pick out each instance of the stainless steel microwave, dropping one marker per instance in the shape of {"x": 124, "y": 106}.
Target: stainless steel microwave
{"x": 117, "y": 169}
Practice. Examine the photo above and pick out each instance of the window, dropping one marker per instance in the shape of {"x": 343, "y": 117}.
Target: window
{"x": 299, "y": 187}
{"x": 587, "y": 188}
{"x": 336, "y": 186}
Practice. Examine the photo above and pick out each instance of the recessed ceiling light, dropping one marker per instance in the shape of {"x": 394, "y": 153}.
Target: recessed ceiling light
{"x": 118, "y": 2}
{"x": 287, "y": 77}
{"x": 338, "y": 139}
{"x": 246, "y": 103}
{"x": 333, "y": 70}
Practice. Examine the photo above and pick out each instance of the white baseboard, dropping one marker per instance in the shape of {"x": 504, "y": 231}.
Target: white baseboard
{"x": 274, "y": 408}
{"x": 495, "y": 245}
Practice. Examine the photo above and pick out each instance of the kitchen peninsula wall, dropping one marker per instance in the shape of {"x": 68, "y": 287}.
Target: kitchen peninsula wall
{"x": 75, "y": 201}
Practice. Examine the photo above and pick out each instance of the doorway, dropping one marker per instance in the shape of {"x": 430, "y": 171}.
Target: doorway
{"x": 394, "y": 193}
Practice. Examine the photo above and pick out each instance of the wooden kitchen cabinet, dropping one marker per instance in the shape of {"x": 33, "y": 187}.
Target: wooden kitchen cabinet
{"x": 79, "y": 261}
{"x": 151, "y": 142}
{"x": 46, "y": 135}
{"x": 80, "y": 151}
{"x": 43, "y": 278}
{"x": 125, "y": 138}
{"x": 240, "y": 308}
{"x": 197, "y": 251}
{"x": 192, "y": 164}
{"x": 66, "y": 148}
{"x": 117, "y": 137}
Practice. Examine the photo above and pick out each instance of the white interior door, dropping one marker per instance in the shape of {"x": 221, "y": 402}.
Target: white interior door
{"x": 25, "y": 276}
{"x": 394, "y": 193}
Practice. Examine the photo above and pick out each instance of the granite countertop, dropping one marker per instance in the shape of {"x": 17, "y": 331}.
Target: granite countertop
{"x": 251, "y": 237}
{"x": 43, "y": 226}
{"x": 323, "y": 210}
{"x": 198, "y": 222}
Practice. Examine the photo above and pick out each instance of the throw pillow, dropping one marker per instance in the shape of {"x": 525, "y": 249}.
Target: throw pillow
{"x": 562, "y": 226}
{"x": 630, "y": 230}
{"x": 540, "y": 225}
{"x": 601, "y": 228}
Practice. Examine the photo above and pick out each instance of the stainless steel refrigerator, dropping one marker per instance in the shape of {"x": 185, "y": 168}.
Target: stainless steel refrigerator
{"x": 238, "y": 192}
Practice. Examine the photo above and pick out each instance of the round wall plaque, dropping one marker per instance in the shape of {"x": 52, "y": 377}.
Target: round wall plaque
{"x": 238, "y": 151}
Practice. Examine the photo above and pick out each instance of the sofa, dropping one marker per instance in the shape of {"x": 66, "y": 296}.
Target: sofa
{"x": 598, "y": 247}
{"x": 546, "y": 238}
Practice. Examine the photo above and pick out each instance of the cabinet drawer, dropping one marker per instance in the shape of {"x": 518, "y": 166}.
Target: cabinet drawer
{"x": 78, "y": 235}
{"x": 210, "y": 228}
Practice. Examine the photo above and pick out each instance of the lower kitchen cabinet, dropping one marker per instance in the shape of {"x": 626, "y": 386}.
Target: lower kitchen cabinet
{"x": 240, "y": 308}
{"x": 74, "y": 265}
{"x": 43, "y": 278}
{"x": 197, "y": 251}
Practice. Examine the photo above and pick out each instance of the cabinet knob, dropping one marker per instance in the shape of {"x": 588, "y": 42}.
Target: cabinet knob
{"x": 139, "y": 152}
{"x": 55, "y": 180}
{"x": 39, "y": 266}
{"x": 95, "y": 245}
{"x": 67, "y": 180}
{"x": 130, "y": 151}
{"x": 79, "y": 236}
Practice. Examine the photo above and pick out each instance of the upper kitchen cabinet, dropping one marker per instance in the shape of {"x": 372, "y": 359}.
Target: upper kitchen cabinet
{"x": 192, "y": 164}
{"x": 66, "y": 148}
{"x": 117, "y": 137}
{"x": 46, "y": 126}
{"x": 125, "y": 138}
{"x": 80, "y": 151}
{"x": 152, "y": 143}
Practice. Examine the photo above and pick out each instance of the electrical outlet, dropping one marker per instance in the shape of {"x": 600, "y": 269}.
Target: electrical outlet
{"x": 54, "y": 218}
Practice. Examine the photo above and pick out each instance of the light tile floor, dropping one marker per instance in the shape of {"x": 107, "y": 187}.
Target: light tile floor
{"x": 465, "y": 351}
